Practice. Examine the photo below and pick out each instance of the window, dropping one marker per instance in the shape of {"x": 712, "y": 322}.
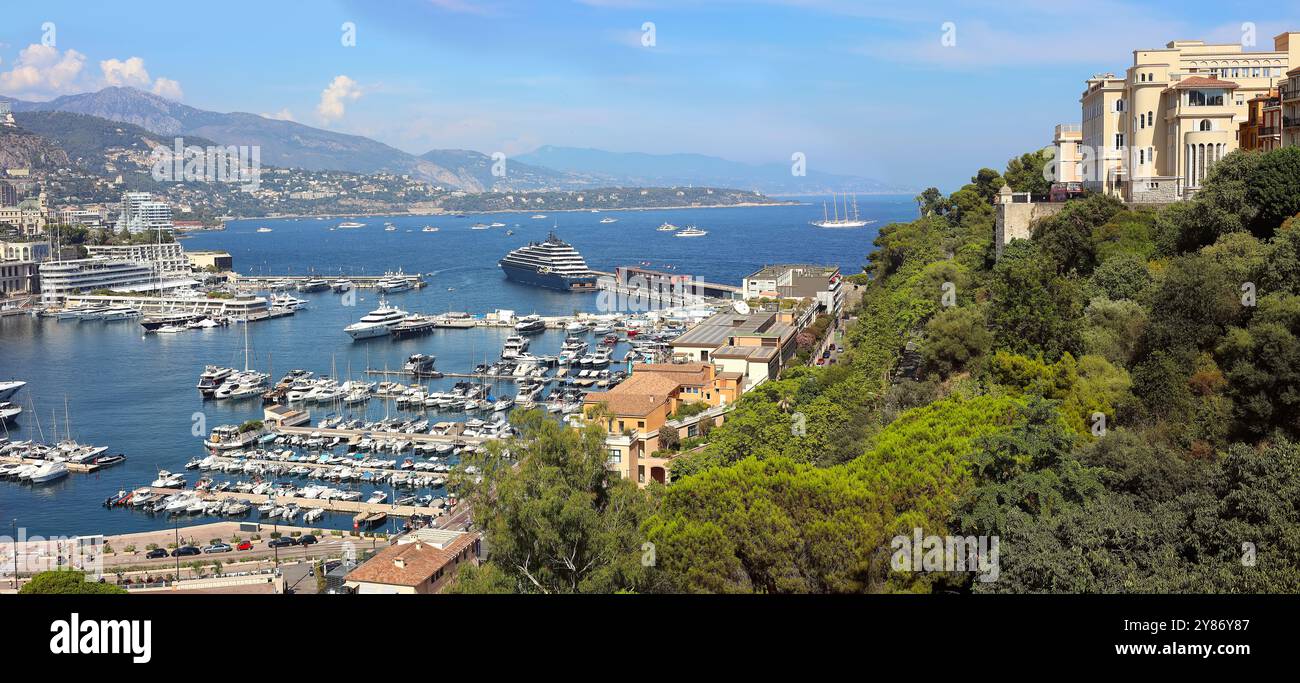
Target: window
{"x": 1142, "y": 156}
{"x": 1119, "y": 140}
{"x": 1207, "y": 124}
{"x": 615, "y": 456}
{"x": 1119, "y": 105}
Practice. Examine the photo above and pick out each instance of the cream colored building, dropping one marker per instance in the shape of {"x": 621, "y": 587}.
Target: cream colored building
{"x": 1153, "y": 134}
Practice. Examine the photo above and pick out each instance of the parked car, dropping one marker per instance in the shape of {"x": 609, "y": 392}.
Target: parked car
{"x": 186, "y": 551}
{"x": 821, "y": 361}
{"x": 244, "y": 545}
{"x": 307, "y": 539}
{"x": 156, "y": 554}
{"x": 282, "y": 542}
{"x": 218, "y": 548}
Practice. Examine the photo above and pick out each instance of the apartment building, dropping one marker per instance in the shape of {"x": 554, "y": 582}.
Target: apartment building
{"x": 1153, "y": 134}
{"x": 634, "y": 413}
{"x": 1262, "y": 129}
{"x": 821, "y": 284}
{"x": 1289, "y": 104}
{"x": 141, "y": 213}
{"x": 423, "y": 562}
{"x": 753, "y": 345}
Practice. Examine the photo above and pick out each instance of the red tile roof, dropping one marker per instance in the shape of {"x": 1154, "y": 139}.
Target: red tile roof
{"x": 1203, "y": 82}
{"x": 409, "y": 564}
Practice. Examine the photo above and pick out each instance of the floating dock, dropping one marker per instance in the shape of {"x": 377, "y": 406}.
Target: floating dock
{"x": 349, "y": 506}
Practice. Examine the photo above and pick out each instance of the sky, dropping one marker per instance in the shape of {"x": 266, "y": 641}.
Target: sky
{"x": 913, "y": 93}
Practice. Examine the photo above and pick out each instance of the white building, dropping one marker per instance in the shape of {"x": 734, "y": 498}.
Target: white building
{"x": 168, "y": 257}
{"x": 141, "y": 213}
{"x": 60, "y": 279}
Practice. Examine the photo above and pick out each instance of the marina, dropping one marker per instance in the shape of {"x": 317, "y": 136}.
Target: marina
{"x": 144, "y": 399}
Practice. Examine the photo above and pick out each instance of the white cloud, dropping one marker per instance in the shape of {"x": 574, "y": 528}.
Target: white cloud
{"x": 129, "y": 73}
{"x": 166, "y": 87}
{"x": 43, "y": 72}
{"x": 282, "y": 115}
{"x": 332, "y": 99}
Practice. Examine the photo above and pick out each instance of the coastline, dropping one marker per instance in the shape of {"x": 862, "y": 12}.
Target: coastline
{"x": 444, "y": 212}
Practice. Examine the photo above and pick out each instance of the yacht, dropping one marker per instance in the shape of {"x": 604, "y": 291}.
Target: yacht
{"x": 9, "y": 411}
{"x": 264, "y": 229}
{"x": 49, "y": 471}
{"x": 414, "y": 325}
{"x": 539, "y": 215}
{"x": 313, "y": 285}
{"x": 479, "y": 226}
{"x": 394, "y": 284}
{"x": 497, "y": 225}
{"x": 575, "y": 327}
{"x": 692, "y": 231}
{"x": 607, "y": 219}
{"x": 288, "y": 301}
{"x": 341, "y": 286}
{"x": 667, "y": 227}
{"x": 167, "y": 480}
{"x": 231, "y": 437}
{"x": 349, "y": 224}
{"x": 378, "y": 323}
{"x": 419, "y": 364}
{"x": 390, "y": 228}
{"x": 212, "y": 378}
{"x": 377, "y": 497}
{"x": 553, "y": 264}
{"x": 429, "y": 228}
{"x": 530, "y": 324}
{"x": 514, "y": 346}
{"x": 117, "y": 313}
{"x": 9, "y": 388}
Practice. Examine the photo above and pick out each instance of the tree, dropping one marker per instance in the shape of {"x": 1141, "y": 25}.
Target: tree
{"x": 931, "y": 202}
{"x": 1033, "y": 309}
{"x": 1067, "y": 237}
{"x": 1122, "y": 277}
{"x": 558, "y": 521}
{"x": 954, "y": 339}
{"x": 66, "y": 582}
{"x": 1263, "y": 367}
{"x": 1025, "y": 173}
{"x": 1274, "y": 189}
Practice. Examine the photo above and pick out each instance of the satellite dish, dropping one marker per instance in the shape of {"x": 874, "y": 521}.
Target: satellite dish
{"x": 741, "y": 307}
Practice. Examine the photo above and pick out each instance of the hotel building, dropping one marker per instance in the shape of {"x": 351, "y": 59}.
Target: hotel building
{"x": 1153, "y": 134}
{"x": 167, "y": 257}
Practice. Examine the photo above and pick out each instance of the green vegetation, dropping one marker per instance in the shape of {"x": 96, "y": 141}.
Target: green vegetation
{"x": 250, "y": 426}
{"x": 1114, "y": 399}
{"x": 65, "y": 582}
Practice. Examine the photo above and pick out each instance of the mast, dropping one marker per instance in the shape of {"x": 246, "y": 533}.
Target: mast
{"x": 836, "y": 204}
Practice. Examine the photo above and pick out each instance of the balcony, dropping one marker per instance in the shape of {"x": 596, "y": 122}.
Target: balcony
{"x": 1289, "y": 94}
{"x": 1290, "y": 122}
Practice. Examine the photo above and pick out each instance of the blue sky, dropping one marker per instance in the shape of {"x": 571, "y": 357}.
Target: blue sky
{"x": 865, "y": 88}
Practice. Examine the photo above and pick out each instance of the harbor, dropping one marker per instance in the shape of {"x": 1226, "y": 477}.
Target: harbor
{"x": 135, "y": 393}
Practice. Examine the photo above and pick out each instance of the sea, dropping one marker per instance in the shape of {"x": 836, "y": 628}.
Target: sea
{"x": 108, "y": 384}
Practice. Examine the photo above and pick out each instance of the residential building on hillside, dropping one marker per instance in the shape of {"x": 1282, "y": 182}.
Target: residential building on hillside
{"x": 140, "y": 213}
{"x": 1262, "y": 129}
{"x": 28, "y": 216}
{"x": 634, "y": 413}
{"x": 821, "y": 284}
{"x": 1153, "y": 134}
{"x": 1289, "y": 99}
{"x": 422, "y": 562}
{"x": 755, "y": 345}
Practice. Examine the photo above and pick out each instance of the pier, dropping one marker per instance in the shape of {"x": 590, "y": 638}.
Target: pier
{"x": 358, "y": 281}
{"x": 78, "y": 467}
{"x": 331, "y": 505}
{"x": 352, "y": 436}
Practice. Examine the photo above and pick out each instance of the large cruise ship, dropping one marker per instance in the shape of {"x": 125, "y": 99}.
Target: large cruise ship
{"x": 553, "y": 264}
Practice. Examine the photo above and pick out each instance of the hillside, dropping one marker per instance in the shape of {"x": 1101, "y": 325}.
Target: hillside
{"x": 21, "y": 148}
{"x": 642, "y": 169}
{"x": 86, "y": 139}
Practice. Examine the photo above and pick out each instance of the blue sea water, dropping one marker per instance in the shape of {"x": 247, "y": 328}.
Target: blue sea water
{"x": 135, "y": 393}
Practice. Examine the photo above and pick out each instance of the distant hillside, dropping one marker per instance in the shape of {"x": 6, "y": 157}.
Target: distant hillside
{"x": 283, "y": 143}
{"x": 87, "y": 138}
{"x": 473, "y": 171}
{"x": 642, "y": 169}
{"x": 21, "y": 148}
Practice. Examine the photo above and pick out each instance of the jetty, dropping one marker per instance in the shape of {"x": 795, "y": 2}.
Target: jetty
{"x": 330, "y": 505}
{"x": 358, "y": 281}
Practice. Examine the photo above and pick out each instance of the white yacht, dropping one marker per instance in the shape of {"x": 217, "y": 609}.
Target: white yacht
{"x": 394, "y": 284}
{"x": 530, "y": 324}
{"x": 607, "y": 219}
{"x": 377, "y": 323}
{"x": 9, "y": 388}
{"x": 9, "y": 411}
{"x": 350, "y": 224}
{"x": 692, "y": 231}
{"x": 49, "y": 471}
{"x": 514, "y": 346}
{"x": 341, "y": 286}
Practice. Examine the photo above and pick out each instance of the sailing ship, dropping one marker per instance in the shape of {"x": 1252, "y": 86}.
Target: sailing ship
{"x": 835, "y": 221}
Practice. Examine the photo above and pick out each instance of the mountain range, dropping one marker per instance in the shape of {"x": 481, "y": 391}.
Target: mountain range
{"x": 294, "y": 145}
